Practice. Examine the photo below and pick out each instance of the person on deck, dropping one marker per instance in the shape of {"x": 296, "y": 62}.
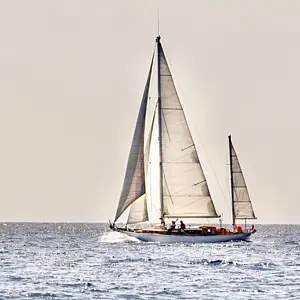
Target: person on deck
{"x": 182, "y": 225}
{"x": 162, "y": 224}
{"x": 173, "y": 225}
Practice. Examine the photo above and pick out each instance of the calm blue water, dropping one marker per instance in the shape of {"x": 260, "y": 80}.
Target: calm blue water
{"x": 83, "y": 261}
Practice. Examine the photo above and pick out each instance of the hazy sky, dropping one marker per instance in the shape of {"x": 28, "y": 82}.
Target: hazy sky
{"x": 71, "y": 78}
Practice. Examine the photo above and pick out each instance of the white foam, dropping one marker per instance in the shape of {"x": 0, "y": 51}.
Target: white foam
{"x": 116, "y": 237}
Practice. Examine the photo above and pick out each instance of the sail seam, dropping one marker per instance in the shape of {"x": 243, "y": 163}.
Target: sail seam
{"x": 179, "y": 208}
{"x": 165, "y": 123}
{"x": 187, "y": 147}
{"x": 241, "y": 201}
{"x": 180, "y": 163}
{"x": 169, "y": 108}
{"x": 187, "y": 195}
{"x": 192, "y": 216}
{"x": 169, "y": 195}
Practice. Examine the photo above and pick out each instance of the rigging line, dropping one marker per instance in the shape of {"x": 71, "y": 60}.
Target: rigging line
{"x": 150, "y": 187}
{"x": 164, "y": 119}
{"x": 210, "y": 163}
{"x": 157, "y": 210}
{"x": 167, "y": 186}
{"x": 186, "y": 171}
{"x": 185, "y": 206}
{"x": 189, "y": 186}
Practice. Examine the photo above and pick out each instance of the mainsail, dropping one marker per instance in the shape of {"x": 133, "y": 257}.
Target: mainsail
{"x": 241, "y": 203}
{"x": 185, "y": 191}
{"x": 134, "y": 181}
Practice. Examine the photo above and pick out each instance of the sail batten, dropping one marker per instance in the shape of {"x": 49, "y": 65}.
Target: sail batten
{"x": 134, "y": 181}
{"x": 189, "y": 216}
{"x": 184, "y": 187}
{"x": 241, "y": 203}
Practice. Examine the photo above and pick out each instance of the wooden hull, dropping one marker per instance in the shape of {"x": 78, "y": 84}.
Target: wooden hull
{"x": 183, "y": 238}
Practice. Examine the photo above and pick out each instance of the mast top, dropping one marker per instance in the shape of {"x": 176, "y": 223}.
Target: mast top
{"x": 158, "y": 21}
{"x": 158, "y": 39}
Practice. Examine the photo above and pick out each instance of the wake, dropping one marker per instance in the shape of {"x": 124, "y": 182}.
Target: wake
{"x": 117, "y": 237}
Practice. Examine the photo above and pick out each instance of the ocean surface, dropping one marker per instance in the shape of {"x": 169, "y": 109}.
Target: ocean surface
{"x": 86, "y": 261}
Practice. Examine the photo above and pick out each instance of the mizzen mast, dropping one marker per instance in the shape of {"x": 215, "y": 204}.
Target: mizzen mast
{"x": 231, "y": 181}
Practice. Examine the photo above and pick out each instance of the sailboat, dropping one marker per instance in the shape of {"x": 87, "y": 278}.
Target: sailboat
{"x": 183, "y": 188}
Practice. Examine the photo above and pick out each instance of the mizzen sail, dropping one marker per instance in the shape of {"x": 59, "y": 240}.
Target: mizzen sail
{"x": 185, "y": 192}
{"x": 241, "y": 203}
{"x": 134, "y": 181}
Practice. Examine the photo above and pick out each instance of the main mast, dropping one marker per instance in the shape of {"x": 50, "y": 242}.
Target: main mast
{"x": 162, "y": 214}
{"x": 231, "y": 181}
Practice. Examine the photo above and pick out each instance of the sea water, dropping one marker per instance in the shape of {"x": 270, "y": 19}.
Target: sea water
{"x": 87, "y": 261}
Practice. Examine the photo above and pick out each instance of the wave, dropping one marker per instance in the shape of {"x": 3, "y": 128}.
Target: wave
{"x": 128, "y": 259}
{"x": 117, "y": 237}
{"x": 292, "y": 242}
